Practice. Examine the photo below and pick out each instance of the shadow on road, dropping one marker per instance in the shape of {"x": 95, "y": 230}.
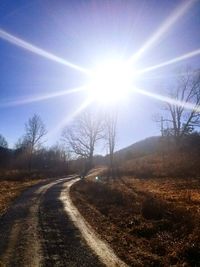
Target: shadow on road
{"x": 61, "y": 240}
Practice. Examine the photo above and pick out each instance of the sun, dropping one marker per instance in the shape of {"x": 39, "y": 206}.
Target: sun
{"x": 111, "y": 82}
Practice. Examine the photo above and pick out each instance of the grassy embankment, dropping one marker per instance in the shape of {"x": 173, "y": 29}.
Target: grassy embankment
{"x": 148, "y": 222}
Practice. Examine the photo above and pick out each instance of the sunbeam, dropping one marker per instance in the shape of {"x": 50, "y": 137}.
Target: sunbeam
{"x": 169, "y": 100}
{"x": 171, "y": 61}
{"x": 69, "y": 118}
{"x": 38, "y": 98}
{"x": 169, "y": 75}
{"x": 34, "y": 49}
{"x": 166, "y": 25}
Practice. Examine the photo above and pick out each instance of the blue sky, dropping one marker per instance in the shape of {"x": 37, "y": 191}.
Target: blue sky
{"x": 84, "y": 33}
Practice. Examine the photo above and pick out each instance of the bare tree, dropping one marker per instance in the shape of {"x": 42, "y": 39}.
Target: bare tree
{"x": 35, "y": 131}
{"x": 3, "y": 142}
{"x": 82, "y": 136}
{"x": 110, "y": 135}
{"x": 183, "y": 113}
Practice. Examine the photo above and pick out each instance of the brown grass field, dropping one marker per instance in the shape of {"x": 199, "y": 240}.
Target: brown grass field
{"x": 148, "y": 222}
{"x": 9, "y": 190}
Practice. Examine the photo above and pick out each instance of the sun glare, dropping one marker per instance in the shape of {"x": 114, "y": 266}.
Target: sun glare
{"x": 111, "y": 81}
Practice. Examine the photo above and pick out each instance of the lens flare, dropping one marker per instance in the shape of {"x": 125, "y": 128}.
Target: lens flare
{"x": 173, "y": 18}
{"x": 38, "y": 98}
{"x": 69, "y": 118}
{"x": 171, "y": 61}
{"x": 36, "y": 50}
{"x": 175, "y": 102}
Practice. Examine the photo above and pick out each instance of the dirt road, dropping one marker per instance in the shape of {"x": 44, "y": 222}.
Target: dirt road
{"x": 37, "y": 231}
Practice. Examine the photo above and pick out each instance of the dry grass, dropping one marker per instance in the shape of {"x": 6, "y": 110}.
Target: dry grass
{"x": 174, "y": 165}
{"x": 152, "y": 222}
{"x": 9, "y": 190}
{"x": 182, "y": 191}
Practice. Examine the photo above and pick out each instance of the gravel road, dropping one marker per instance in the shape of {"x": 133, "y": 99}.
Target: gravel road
{"x": 37, "y": 231}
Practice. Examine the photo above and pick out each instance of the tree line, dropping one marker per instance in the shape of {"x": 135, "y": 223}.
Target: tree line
{"x": 74, "y": 153}
{"x": 30, "y": 154}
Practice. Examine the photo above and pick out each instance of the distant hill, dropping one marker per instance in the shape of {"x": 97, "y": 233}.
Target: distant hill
{"x": 144, "y": 147}
{"x": 190, "y": 145}
{"x": 160, "y": 157}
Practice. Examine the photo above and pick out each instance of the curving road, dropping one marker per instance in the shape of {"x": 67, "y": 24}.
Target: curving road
{"x": 37, "y": 231}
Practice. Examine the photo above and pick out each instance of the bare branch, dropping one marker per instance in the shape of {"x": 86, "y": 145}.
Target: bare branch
{"x": 182, "y": 120}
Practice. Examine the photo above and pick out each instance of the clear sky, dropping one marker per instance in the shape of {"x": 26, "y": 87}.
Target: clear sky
{"x": 84, "y": 33}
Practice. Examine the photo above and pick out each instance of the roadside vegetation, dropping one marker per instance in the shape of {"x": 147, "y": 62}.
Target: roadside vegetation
{"x": 148, "y": 222}
{"x": 10, "y": 189}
